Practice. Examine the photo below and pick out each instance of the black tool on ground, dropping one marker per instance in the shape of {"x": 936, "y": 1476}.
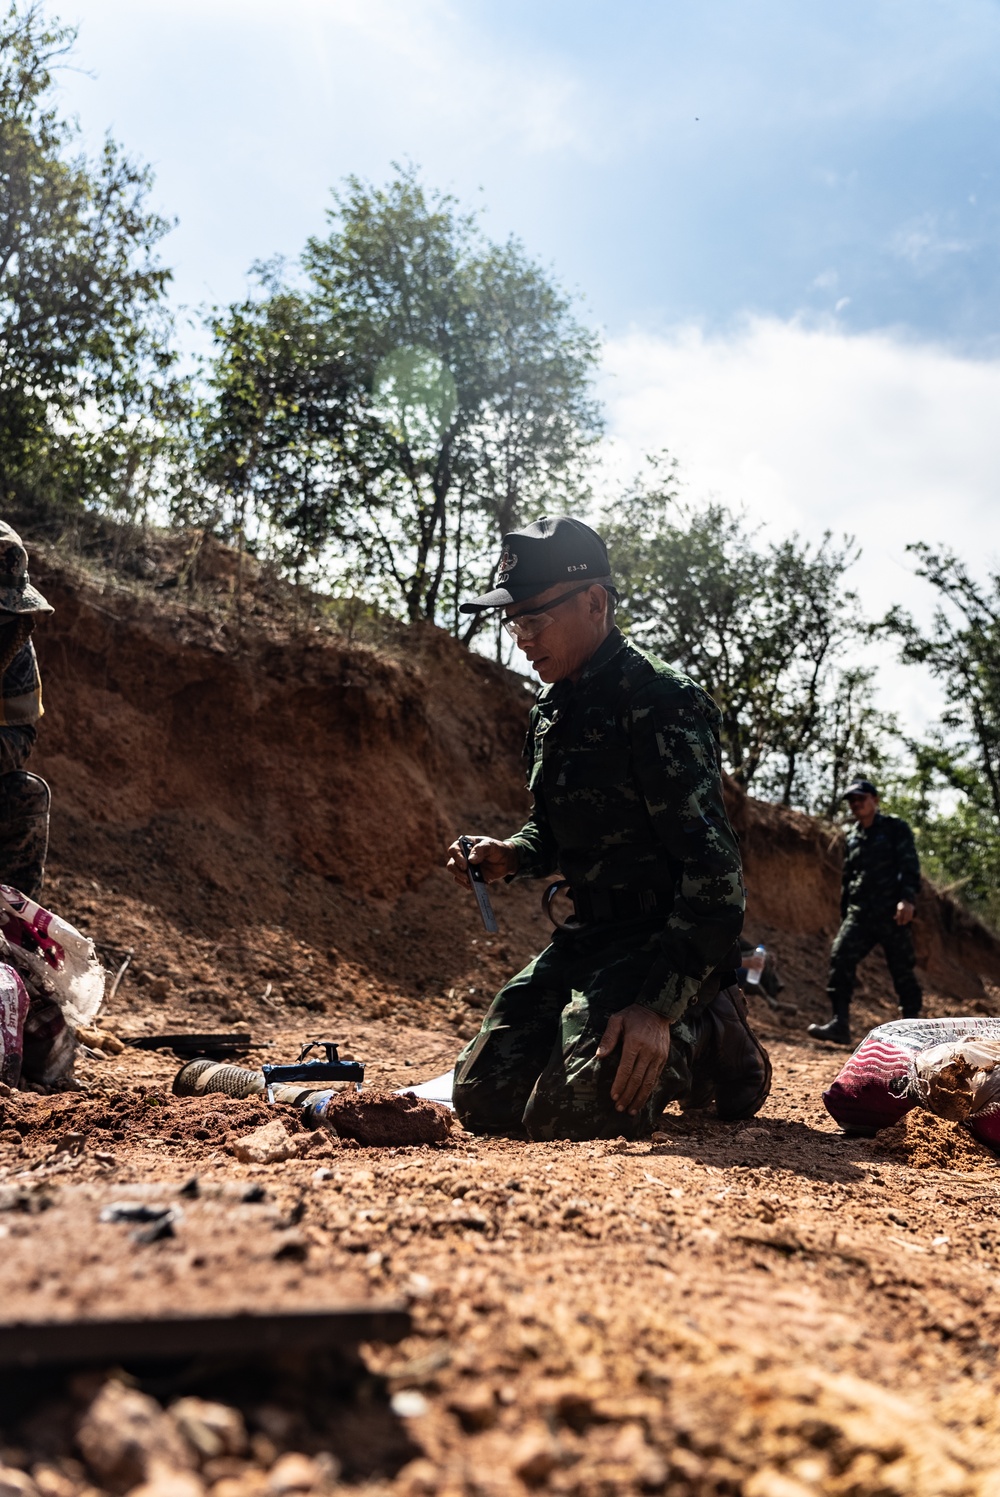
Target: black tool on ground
{"x": 186, "y": 1046}
{"x": 479, "y": 888}
{"x": 50, "y": 1343}
{"x": 313, "y": 1073}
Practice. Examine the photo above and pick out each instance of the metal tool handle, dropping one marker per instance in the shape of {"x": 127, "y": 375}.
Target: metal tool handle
{"x": 313, "y": 1071}
{"x": 479, "y": 889}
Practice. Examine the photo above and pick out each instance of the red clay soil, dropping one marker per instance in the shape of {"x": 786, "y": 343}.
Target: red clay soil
{"x": 259, "y": 812}
{"x": 381, "y": 1119}
{"x": 130, "y": 1117}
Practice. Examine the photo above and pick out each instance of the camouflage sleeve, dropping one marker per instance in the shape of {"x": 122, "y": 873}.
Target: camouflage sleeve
{"x": 20, "y": 708}
{"x": 677, "y": 762}
{"x": 536, "y": 846}
{"x": 537, "y": 854}
{"x": 15, "y": 746}
{"x": 908, "y": 863}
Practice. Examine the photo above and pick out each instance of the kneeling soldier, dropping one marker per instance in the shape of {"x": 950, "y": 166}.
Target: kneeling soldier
{"x": 634, "y": 1003}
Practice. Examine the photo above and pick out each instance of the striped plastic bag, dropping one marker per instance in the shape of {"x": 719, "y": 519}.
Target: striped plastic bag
{"x": 879, "y": 1083}
{"x": 47, "y": 948}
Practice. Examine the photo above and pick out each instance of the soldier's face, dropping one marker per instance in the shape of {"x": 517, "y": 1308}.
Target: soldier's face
{"x": 570, "y": 633}
{"x": 862, "y": 808}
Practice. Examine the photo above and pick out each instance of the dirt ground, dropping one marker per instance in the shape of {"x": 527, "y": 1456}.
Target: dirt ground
{"x": 766, "y": 1309}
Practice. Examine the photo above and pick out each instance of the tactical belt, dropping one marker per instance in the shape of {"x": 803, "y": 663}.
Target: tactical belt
{"x": 594, "y": 905}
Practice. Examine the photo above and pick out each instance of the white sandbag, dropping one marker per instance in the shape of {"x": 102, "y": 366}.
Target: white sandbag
{"x": 63, "y": 961}
{"x": 961, "y": 1081}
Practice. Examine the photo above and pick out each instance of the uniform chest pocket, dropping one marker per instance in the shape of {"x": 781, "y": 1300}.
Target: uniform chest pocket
{"x": 596, "y": 769}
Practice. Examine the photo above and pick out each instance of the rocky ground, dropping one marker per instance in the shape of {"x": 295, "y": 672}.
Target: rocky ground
{"x": 767, "y": 1309}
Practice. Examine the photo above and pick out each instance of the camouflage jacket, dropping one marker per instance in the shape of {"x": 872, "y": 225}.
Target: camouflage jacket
{"x": 627, "y": 787}
{"x": 20, "y": 708}
{"x": 881, "y": 867}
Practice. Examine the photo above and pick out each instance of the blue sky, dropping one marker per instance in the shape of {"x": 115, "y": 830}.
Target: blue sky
{"x": 784, "y": 218}
{"x": 672, "y": 161}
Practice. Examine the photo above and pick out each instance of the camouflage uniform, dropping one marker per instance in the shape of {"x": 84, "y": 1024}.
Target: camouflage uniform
{"x": 881, "y": 868}
{"x": 625, "y": 775}
{"x": 24, "y": 797}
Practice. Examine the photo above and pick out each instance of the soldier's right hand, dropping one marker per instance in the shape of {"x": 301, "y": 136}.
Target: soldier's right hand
{"x": 496, "y": 859}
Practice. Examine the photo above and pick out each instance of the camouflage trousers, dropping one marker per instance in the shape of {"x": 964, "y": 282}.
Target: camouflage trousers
{"x": 24, "y": 830}
{"x": 859, "y": 934}
{"x": 533, "y": 1069}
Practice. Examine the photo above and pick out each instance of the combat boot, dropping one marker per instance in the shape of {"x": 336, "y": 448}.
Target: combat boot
{"x": 740, "y": 1066}
{"x": 838, "y": 1030}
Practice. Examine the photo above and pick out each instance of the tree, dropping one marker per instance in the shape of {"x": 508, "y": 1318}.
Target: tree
{"x": 272, "y": 427}
{"x": 420, "y": 391}
{"x": 962, "y": 652}
{"x": 953, "y": 795}
{"x": 86, "y": 392}
{"x": 761, "y": 626}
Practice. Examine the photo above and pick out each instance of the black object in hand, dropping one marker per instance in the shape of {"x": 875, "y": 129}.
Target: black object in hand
{"x": 479, "y": 888}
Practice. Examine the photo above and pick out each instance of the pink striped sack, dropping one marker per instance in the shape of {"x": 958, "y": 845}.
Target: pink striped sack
{"x": 889, "y": 1073}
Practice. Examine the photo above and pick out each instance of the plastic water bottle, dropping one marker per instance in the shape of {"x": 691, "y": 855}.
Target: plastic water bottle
{"x": 755, "y": 972}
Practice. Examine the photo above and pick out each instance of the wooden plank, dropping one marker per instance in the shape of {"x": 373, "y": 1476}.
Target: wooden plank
{"x": 51, "y": 1343}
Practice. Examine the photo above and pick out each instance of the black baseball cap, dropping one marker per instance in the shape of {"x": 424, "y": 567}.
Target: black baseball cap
{"x": 860, "y": 787}
{"x": 542, "y": 554}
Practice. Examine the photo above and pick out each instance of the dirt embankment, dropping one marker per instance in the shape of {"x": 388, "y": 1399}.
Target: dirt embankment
{"x": 267, "y": 774}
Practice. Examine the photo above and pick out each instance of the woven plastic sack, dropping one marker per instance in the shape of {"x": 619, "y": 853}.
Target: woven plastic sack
{"x": 961, "y": 1081}
{"x": 52, "y": 951}
{"x": 873, "y": 1090}
{"x": 13, "y": 1008}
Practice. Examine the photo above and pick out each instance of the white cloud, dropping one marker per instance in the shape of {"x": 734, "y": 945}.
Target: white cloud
{"x": 924, "y": 245}
{"x": 811, "y": 428}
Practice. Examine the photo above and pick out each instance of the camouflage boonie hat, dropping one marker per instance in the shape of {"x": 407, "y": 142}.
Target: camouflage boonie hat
{"x": 16, "y": 593}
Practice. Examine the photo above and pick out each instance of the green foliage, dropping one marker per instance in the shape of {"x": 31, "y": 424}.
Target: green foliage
{"x": 271, "y": 426}
{"x": 421, "y": 391}
{"x": 954, "y": 793}
{"x": 962, "y": 652}
{"x": 763, "y": 626}
{"x": 87, "y": 403}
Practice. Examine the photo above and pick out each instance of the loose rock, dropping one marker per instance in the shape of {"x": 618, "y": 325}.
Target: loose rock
{"x": 14, "y": 1483}
{"x": 385, "y": 1119}
{"x": 294, "y": 1473}
{"x": 211, "y": 1429}
{"x": 270, "y": 1145}
{"x": 124, "y": 1436}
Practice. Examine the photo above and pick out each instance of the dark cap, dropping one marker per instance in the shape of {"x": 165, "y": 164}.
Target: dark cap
{"x": 544, "y": 553}
{"x": 860, "y": 787}
{"x": 16, "y": 593}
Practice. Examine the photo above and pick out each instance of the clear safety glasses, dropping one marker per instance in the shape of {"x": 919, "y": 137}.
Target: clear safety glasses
{"x": 525, "y": 626}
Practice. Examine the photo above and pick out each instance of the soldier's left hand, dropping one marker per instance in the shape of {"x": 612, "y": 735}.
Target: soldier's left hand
{"x": 904, "y": 912}
{"x": 645, "y": 1042}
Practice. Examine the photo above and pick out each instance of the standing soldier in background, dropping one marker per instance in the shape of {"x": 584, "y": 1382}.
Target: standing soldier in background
{"x": 24, "y": 797}
{"x": 878, "y": 894}
{"x": 634, "y": 1003}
